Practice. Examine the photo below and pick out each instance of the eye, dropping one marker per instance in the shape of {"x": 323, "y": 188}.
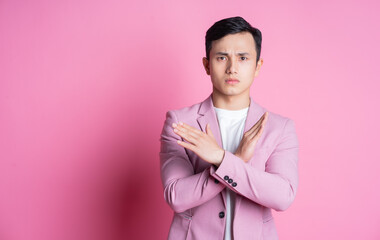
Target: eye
{"x": 221, "y": 58}
{"x": 243, "y": 58}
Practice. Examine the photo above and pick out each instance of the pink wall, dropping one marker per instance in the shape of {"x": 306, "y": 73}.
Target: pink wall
{"x": 84, "y": 87}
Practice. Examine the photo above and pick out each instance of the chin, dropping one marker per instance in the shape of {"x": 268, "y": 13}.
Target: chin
{"x": 228, "y": 92}
{"x": 231, "y": 94}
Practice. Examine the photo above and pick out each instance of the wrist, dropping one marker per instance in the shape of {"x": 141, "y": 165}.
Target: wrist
{"x": 220, "y": 157}
{"x": 241, "y": 157}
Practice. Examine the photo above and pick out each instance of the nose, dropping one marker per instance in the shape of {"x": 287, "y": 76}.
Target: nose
{"x": 232, "y": 66}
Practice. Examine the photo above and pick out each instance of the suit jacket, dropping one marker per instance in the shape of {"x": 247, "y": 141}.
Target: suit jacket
{"x": 196, "y": 190}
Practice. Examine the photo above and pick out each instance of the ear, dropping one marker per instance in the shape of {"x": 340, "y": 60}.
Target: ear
{"x": 206, "y": 65}
{"x": 258, "y": 66}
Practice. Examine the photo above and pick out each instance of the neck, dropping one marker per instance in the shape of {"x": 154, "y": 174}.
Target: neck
{"x": 230, "y": 102}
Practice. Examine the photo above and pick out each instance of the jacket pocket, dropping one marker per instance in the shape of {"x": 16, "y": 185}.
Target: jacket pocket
{"x": 180, "y": 226}
{"x": 269, "y": 231}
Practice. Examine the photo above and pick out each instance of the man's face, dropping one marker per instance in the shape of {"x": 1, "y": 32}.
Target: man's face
{"x": 232, "y": 64}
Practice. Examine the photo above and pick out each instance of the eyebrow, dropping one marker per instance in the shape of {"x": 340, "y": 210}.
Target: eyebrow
{"x": 226, "y": 54}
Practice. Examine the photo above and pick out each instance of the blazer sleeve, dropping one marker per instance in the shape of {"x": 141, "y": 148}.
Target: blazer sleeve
{"x": 183, "y": 189}
{"x": 276, "y": 186}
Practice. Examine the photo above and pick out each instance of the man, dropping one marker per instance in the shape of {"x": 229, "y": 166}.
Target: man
{"x": 227, "y": 161}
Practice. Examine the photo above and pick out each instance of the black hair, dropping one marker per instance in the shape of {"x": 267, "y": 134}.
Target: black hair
{"x": 230, "y": 26}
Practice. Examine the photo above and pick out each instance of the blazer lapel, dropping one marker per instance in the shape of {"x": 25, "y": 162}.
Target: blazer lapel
{"x": 255, "y": 111}
{"x": 208, "y": 115}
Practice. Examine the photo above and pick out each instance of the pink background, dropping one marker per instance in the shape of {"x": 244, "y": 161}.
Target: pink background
{"x": 85, "y": 85}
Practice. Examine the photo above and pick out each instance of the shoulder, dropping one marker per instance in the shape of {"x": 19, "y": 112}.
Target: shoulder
{"x": 279, "y": 120}
{"x": 278, "y": 124}
{"x": 279, "y": 131}
{"x": 273, "y": 118}
{"x": 185, "y": 112}
{"x": 189, "y": 109}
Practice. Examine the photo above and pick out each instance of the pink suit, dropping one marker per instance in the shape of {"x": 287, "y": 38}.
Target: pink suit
{"x": 195, "y": 189}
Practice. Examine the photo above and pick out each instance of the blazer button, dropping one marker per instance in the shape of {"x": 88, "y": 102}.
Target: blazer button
{"x": 221, "y": 215}
{"x": 230, "y": 180}
{"x": 216, "y": 181}
{"x": 234, "y": 184}
{"x": 226, "y": 178}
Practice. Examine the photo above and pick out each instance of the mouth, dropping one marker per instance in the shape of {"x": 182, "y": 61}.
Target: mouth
{"x": 232, "y": 81}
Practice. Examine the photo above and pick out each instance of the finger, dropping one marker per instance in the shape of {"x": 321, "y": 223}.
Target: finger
{"x": 186, "y": 145}
{"x": 258, "y": 134}
{"x": 260, "y": 131}
{"x": 262, "y": 118}
{"x": 254, "y": 133}
{"x": 208, "y": 131}
{"x": 188, "y": 137}
{"x": 189, "y": 128}
{"x": 253, "y": 128}
{"x": 266, "y": 118}
{"x": 257, "y": 124}
{"x": 186, "y": 131}
{"x": 264, "y": 122}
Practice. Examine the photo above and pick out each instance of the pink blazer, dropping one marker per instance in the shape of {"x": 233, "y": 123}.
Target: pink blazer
{"x": 196, "y": 190}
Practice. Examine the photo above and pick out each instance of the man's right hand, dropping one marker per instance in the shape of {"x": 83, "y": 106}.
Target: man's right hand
{"x": 248, "y": 142}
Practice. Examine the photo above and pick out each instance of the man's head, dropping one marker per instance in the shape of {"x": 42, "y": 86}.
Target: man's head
{"x": 233, "y": 57}
{"x": 230, "y": 26}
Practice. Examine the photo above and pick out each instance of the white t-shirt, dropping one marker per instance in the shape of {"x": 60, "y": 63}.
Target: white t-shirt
{"x": 231, "y": 125}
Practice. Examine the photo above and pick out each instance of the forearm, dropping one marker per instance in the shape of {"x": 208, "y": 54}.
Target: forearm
{"x": 183, "y": 188}
{"x": 273, "y": 190}
{"x": 188, "y": 192}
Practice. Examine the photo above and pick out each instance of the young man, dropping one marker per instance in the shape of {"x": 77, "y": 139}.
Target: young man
{"x": 227, "y": 161}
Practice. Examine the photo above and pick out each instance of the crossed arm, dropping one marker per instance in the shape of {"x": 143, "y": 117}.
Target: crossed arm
{"x": 275, "y": 187}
